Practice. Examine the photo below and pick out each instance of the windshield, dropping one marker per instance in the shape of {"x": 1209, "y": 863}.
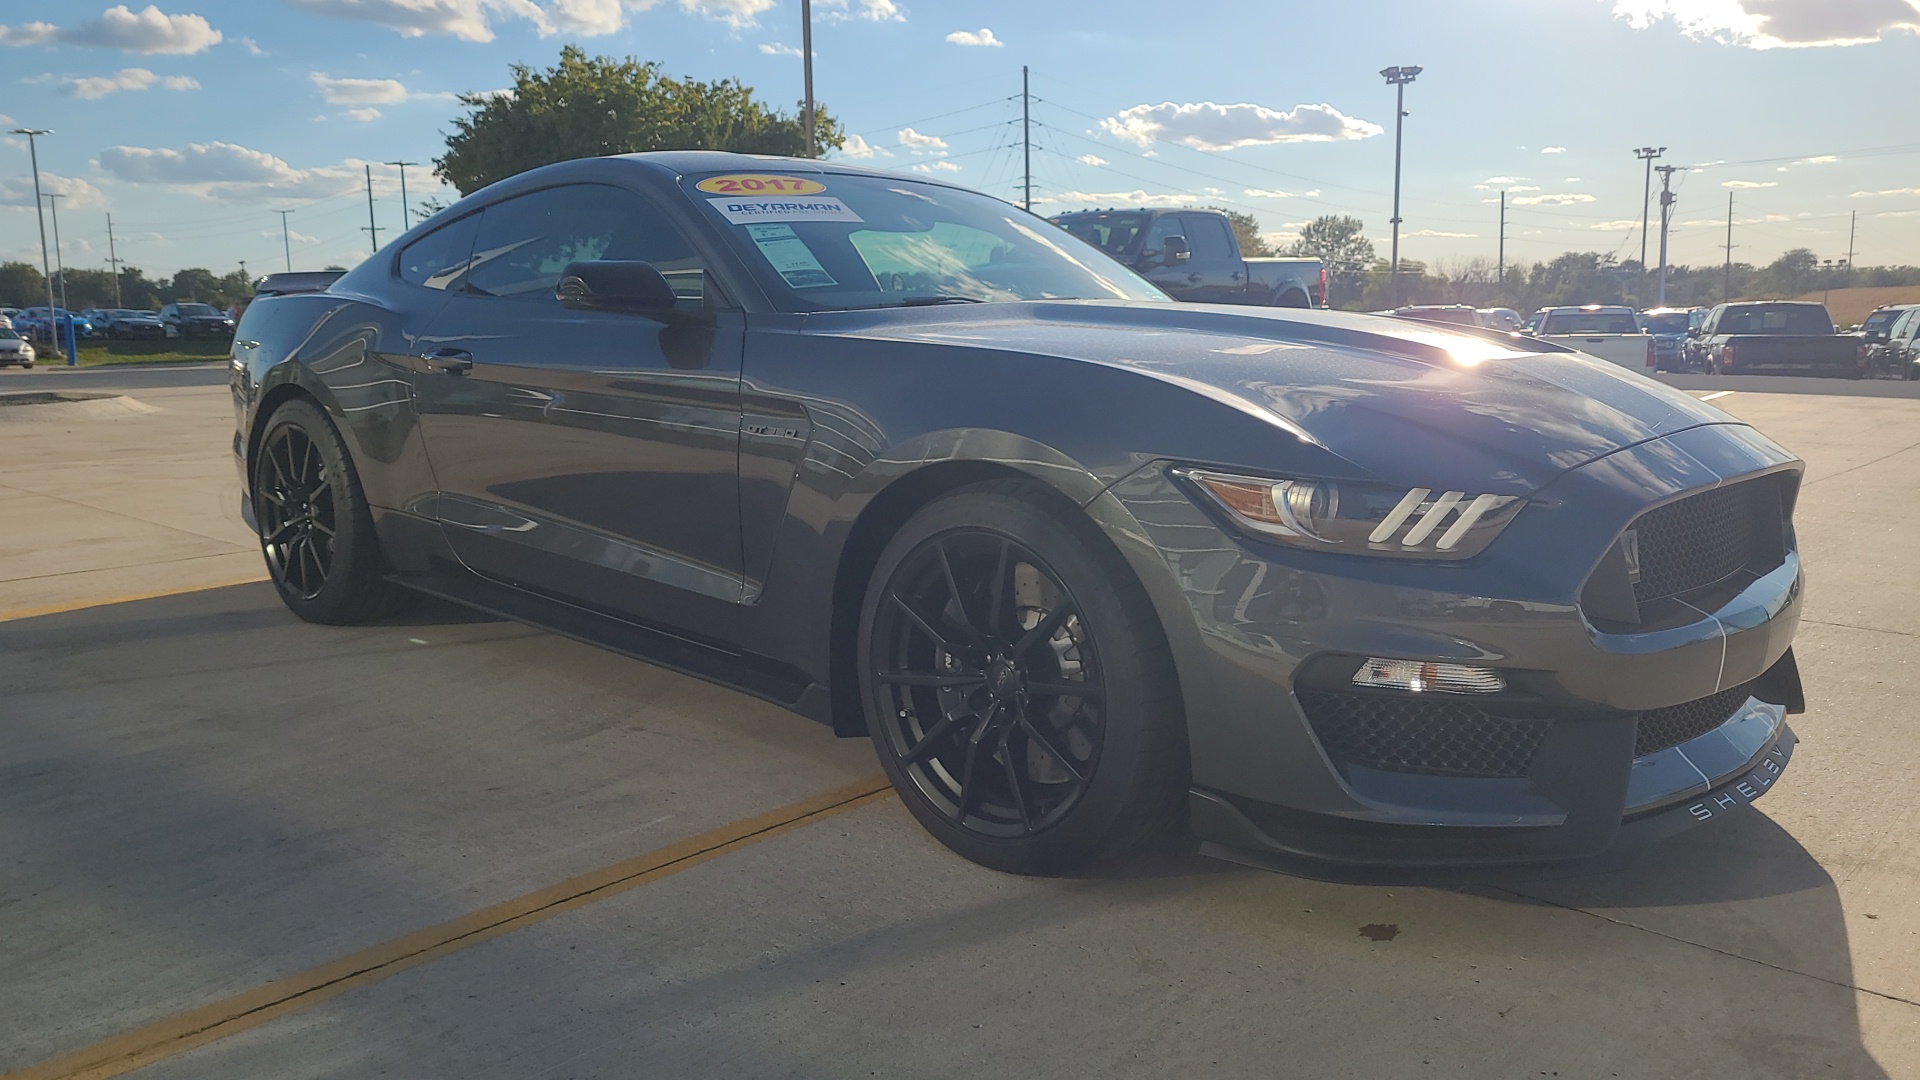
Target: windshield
{"x": 1589, "y": 322}
{"x": 7, "y": 334}
{"x": 841, "y": 242}
{"x": 1111, "y": 233}
{"x": 195, "y": 309}
{"x": 1880, "y": 320}
{"x": 1775, "y": 319}
{"x": 1671, "y": 322}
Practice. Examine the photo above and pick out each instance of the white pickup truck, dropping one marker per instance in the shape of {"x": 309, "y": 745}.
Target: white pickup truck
{"x": 1609, "y": 332}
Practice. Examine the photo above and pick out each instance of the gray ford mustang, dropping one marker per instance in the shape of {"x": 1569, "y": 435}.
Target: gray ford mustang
{"x": 1087, "y": 566}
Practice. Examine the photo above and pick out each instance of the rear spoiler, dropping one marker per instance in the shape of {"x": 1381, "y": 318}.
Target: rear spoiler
{"x": 299, "y": 281}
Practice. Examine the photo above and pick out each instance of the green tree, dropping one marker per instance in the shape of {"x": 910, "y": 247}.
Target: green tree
{"x": 1337, "y": 241}
{"x": 585, "y": 107}
{"x": 1246, "y": 232}
{"x": 21, "y": 285}
{"x": 89, "y": 288}
{"x": 137, "y": 290}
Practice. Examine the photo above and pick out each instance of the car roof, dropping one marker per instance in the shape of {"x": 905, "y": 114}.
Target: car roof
{"x": 1595, "y": 309}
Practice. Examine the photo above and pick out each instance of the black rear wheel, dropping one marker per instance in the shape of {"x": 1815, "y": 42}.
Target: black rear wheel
{"x": 1018, "y": 687}
{"x": 316, "y": 530}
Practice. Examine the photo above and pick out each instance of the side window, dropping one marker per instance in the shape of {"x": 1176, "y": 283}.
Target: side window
{"x": 525, "y": 242}
{"x": 1209, "y": 238}
{"x": 438, "y": 260}
{"x": 1164, "y": 226}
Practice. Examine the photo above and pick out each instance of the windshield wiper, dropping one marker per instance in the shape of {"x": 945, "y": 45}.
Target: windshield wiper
{"x": 929, "y": 301}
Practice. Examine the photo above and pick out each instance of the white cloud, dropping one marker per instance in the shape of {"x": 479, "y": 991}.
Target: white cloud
{"x": 1823, "y": 159}
{"x": 90, "y": 87}
{"x": 938, "y": 166}
{"x": 226, "y": 171}
{"x": 870, "y": 10}
{"x": 859, "y": 148}
{"x": 1748, "y": 183}
{"x": 1450, "y": 235}
{"x": 1567, "y": 199}
{"x": 359, "y": 91}
{"x": 1623, "y": 225}
{"x": 1136, "y": 197}
{"x": 473, "y": 20}
{"x": 1501, "y": 181}
{"x": 1571, "y": 180}
{"x": 983, "y": 38}
{"x": 1773, "y": 24}
{"x": 1207, "y": 126}
{"x": 1093, "y": 159}
{"x": 148, "y": 32}
{"x": 250, "y": 45}
{"x": 365, "y": 113}
{"x": 1553, "y": 149}
{"x": 775, "y": 48}
{"x": 293, "y": 236}
{"x": 922, "y": 144}
{"x": 17, "y": 191}
{"x": 1899, "y": 191}
{"x": 1275, "y": 193}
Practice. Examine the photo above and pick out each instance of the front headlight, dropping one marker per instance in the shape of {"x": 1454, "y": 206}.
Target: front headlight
{"x": 1360, "y": 519}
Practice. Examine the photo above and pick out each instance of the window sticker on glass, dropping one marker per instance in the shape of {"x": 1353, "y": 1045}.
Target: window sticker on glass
{"x": 760, "y": 184}
{"x": 790, "y": 256}
{"x": 744, "y": 211}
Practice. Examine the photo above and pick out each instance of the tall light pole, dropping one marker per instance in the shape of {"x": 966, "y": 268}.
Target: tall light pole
{"x": 286, "y": 244}
{"x": 1666, "y": 216}
{"x": 59, "y": 258}
{"x": 806, "y": 67}
{"x": 46, "y": 266}
{"x": 1398, "y": 78}
{"x": 406, "y": 215}
{"x": 1646, "y": 154}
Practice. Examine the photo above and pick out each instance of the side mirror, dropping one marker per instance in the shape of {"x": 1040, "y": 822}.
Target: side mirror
{"x": 614, "y": 286}
{"x": 1175, "y": 251}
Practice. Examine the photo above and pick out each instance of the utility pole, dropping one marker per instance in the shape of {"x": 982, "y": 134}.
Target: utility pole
{"x": 406, "y": 215}
{"x": 1646, "y": 154}
{"x": 1398, "y": 78}
{"x": 59, "y": 259}
{"x": 1502, "y": 278}
{"x": 806, "y": 67}
{"x": 1852, "y": 225}
{"x": 1666, "y": 215}
{"x": 1026, "y": 137}
{"x": 1726, "y": 285}
{"x": 113, "y": 259}
{"x": 286, "y": 244}
{"x": 46, "y": 268}
{"x": 373, "y": 230}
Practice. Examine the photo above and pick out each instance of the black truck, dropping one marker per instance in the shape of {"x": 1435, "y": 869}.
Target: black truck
{"x": 1193, "y": 256}
{"x": 1777, "y": 337}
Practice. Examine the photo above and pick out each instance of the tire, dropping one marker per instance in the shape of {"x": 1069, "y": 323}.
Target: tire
{"x": 316, "y": 531}
{"x": 991, "y": 749}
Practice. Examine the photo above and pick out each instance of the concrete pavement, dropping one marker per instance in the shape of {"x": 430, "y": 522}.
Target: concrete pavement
{"x": 200, "y": 794}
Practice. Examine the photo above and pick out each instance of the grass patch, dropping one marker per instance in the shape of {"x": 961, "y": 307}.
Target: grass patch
{"x": 164, "y": 351}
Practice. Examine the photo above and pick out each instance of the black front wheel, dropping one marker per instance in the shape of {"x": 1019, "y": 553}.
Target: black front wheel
{"x": 1018, "y": 686}
{"x": 316, "y": 530}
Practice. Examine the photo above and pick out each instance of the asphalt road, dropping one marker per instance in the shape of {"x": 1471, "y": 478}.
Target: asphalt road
{"x": 454, "y": 847}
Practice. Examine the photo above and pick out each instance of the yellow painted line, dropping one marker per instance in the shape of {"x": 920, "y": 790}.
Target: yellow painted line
{"x": 210, "y": 1023}
{"x": 1716, "y": 394}
{"x": 82, "y": 605}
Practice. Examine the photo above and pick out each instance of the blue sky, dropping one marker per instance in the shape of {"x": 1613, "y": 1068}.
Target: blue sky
{"x": 192, "y": 122}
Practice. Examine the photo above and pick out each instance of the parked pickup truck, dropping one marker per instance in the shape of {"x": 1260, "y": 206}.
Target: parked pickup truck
{"x": 1610, "y": 332}
{"x": 1193, "y": 256}
{"x": 1777, "y": 337}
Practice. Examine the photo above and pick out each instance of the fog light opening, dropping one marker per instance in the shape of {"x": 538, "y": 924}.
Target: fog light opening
{"x": 1421, "y": 676}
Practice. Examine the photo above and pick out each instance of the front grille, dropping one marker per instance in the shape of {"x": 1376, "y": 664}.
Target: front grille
{"x": 1432, "y": 736}
{"x": 1703, "y": 539}
{"x": 1663, "y": 728}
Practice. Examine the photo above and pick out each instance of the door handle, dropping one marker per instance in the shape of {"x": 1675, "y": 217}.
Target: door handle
{"x": 448, "y": 361}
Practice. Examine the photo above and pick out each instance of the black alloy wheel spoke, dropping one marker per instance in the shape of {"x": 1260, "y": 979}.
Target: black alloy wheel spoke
{"x": 925, "y": 624}
{"x": 284, "y": 533}
{"x": 1053, "y": 749}
{"x": 931, "y": 738}
{"x": 1044, "y": 629}
{"x": 323, "y": 530}
{"x": 1013, "y": 779}
{"x": 956, "y": 600}
{"x": 1066, "y": 689}
{"x": 995, "y": 589}
{"x": 938, "y": 680}
{"x": 972, "y": 755}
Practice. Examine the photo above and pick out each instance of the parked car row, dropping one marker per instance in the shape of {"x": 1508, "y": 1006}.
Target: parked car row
{"x": 171, "y": 321}
{"x": 1890, "y": 342}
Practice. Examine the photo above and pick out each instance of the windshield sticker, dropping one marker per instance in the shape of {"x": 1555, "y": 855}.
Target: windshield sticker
{"x": 760, "y": 184}
{"x": 790, "y": 256}
{"x": 818, "y": 208}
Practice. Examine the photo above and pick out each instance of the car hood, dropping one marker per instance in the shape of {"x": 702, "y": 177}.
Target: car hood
{"x": 1407, "y": 402}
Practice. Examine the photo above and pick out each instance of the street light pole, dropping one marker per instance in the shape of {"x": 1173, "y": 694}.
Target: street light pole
{"x": 406, "y": 215}
{"x": 1666, "y": 217}
{"x": 59, "y": 257}
{"x": 46, "y": 266}
{"x": 1398, "y": 78}
{"x": 806, "y": 67}
{"x": 1646, "y": 154}
{"x": 286, "y": 244}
